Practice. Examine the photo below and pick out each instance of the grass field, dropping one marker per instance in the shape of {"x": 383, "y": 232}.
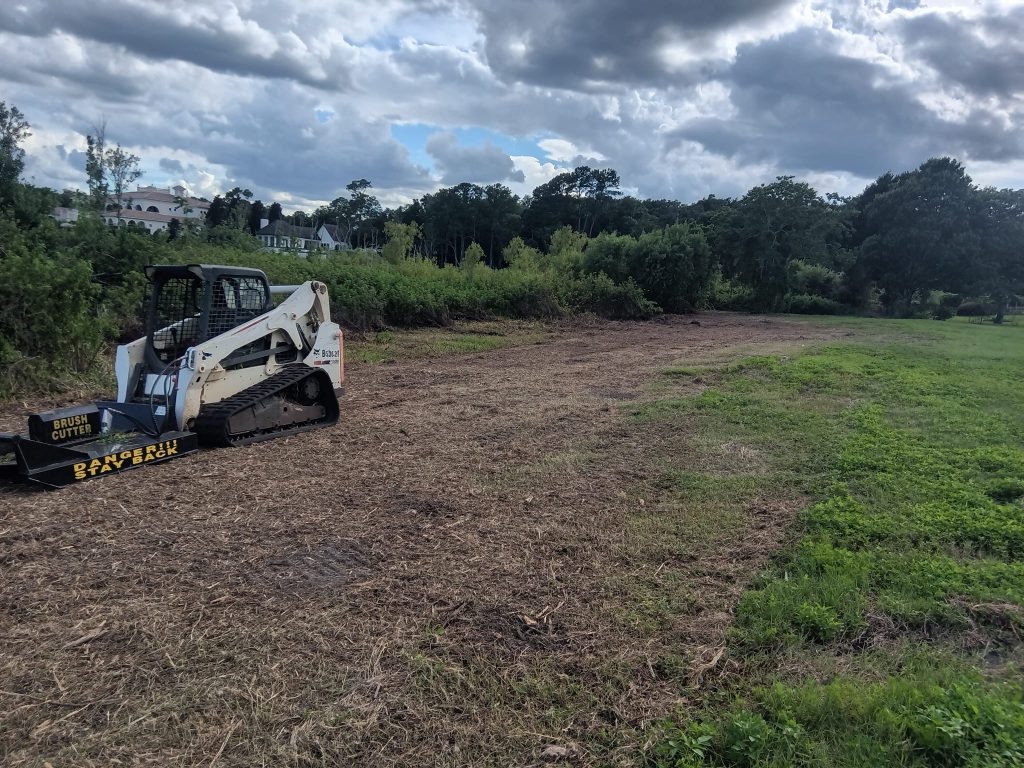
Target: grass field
{"x": 888, "y": 632}
{"x": 735, "y": 541}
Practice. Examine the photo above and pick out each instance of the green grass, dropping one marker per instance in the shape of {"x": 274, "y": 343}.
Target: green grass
{"x": 908, "y": 440}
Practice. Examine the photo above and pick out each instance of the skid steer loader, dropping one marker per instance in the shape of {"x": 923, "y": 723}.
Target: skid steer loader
{"x": 220, "y": 365}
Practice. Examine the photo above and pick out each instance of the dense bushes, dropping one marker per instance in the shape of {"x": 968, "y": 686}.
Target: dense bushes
{"x": 416, "y": 292}
{"x": 52, "y": 320}
{"x": 674, "y": 266}
{"x": 69, "y": 292}
{"x": 809, "y": 304}
{"x": 973, "y": 309}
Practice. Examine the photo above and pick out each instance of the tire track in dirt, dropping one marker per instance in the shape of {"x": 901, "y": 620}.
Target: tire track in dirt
{"x": 437, "y": 580}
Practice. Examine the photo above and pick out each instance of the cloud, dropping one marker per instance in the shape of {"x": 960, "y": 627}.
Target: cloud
{"x": 534, "y": 174}
{"x": 562, "y": 151}
{"x": 214, "y": 36}
{"x": 171, "y": 166}
{"x": 259, "y": 133}
{"x": 477, "y": 165}
{"x": 589, "y": 44}
{"x": 982, "y": 55}
{"x": 682, "y": 97}
{"x": 802, "y": 105}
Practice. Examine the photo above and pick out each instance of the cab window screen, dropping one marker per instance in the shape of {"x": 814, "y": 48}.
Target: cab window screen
{"x": 176, "y": 325}
{"x": 235, "y": 301}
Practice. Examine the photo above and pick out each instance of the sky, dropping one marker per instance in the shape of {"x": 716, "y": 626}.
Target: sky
{"x": 684, "y": 98}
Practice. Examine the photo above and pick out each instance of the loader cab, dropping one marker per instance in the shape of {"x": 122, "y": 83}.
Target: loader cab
{"x": 192, "y": 303}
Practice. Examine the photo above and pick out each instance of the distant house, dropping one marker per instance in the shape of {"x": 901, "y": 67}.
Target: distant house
{"x": 155, "y": 207}
{"x": 65, "y": 216}
{"x": 330, "y": 236}
{"x": 280, "y": 235}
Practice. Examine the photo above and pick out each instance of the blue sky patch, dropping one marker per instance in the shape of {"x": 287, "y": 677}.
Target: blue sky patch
{"x": 413, "y": 136}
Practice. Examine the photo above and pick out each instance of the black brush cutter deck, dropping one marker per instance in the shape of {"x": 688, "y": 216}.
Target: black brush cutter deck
{"x": 68, "y": 445}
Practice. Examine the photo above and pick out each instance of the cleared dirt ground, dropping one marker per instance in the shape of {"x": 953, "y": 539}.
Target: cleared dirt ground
{"x": 448, "y": 577}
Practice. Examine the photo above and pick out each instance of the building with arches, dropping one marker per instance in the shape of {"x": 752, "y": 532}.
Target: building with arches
{"x": 154, "y": 207}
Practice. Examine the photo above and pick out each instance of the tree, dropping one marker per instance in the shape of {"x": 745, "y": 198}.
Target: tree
{"x": 771, "y": 225}
{"x": 218, "y": 212}
{"x": 580, "y": 198}
{"x": 173, "y": 229}
{"x": 565, "y": 251}
{"x": 256, "y": 215}
{"x": 917, "y": 232}
{"x": 472, "y": 259}
{"x": 123, "y": 169}
{"x": 401, "y": 239}
{"x": 14, "y": 129}
{"x": 520, "y": 256}
{"x": 110, "y": 171}
{"x": 674, "y": 267}
{"x": 998, "y": 269}
{"x": 236, "y": 201}
{"x": 96, "y": 167}
{"x": 358, "y": 217}
{"x": 181, "y": 203}
{"x": 274, "y": 212}
{"x": 453, "y": 217}
{"x": 500, "y": 214}
{"x": 364, "y": 214}
{"x": 611, "y": 255}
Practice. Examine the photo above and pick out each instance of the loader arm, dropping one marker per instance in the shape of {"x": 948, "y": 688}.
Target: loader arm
{"x": 298, "y": 330}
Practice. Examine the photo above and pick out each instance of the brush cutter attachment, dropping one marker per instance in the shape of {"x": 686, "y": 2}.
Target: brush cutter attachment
{"x": 54, "y": 466}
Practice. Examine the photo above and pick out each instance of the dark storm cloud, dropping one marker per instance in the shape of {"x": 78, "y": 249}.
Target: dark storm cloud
{"x": 162, "y": 32}
{"x": 904, "y": 4}
{"x": 985, "y": 56}
{"x": 276, "y": 143}
{"x": 76, "y": 158}
{"x": 583, "y": 43}
{"x": 94, "y": 70}
{"x": 232, "y": 89}
{"x": 477, "y": 165}
{"x": 804, "y": 106}
{"x": 171, "y": 165}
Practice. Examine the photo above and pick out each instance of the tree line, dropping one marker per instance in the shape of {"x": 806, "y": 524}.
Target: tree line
{"x": 921, "y": 241}
{"x": 782, "y": 246}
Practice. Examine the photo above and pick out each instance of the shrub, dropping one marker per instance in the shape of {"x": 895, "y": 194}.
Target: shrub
{"x": 731, "y": 295}
{"x": 813, "y": 279}
{"x": 609, "y": 254}
{"x": 674, "y": 267}
{"x": 599, "y": 294}
{"x": 52, "y": 319}
{"x": 804, "y": 304}
{"x": 973, "y": 309}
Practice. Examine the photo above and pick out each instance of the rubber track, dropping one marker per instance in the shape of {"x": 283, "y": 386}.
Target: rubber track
{"x": 212, "y": 422}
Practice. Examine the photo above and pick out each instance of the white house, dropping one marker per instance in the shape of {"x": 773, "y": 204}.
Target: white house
{"x": 331, "y": 238}
{"x": 155, "y": 207}
{"x": 65, "y": 216}
{"x": 280, "y": 235}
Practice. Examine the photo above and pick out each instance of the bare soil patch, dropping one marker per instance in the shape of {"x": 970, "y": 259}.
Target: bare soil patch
{"x": 439, "y": 580}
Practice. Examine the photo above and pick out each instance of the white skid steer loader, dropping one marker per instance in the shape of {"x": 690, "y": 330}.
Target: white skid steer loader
{"x": 219, "y": 365}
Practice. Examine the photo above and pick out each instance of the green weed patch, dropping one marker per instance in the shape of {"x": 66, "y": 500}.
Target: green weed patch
{"x": 912, "y": 448}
